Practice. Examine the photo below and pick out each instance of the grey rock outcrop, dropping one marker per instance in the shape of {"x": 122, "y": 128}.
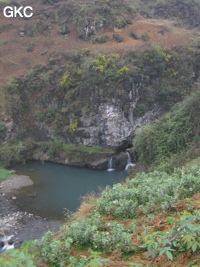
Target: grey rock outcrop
{"x": 110, "y": 127}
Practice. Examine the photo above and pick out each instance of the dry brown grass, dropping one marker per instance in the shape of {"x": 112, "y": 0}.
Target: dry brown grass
{"x": 88, "y": 205}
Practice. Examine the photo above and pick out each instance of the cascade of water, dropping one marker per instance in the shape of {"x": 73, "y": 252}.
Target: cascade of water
{"x": 110, "y": 164}
{"x": 129, "y": 163}
{"x": 6, "y": 243}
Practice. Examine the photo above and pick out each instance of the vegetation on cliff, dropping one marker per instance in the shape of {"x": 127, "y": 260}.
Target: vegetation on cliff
{"x": 55, "y": 151}
{"x": 58, "y": 96}
{"x": 184, "y": 12}
{"x": 164, "y": 143}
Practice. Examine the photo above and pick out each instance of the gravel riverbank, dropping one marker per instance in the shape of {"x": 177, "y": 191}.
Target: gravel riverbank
{"x": 22, "y": 225}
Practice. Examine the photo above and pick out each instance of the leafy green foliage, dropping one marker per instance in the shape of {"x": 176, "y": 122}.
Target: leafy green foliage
{"x": 102, "y": 39}
{"x": 88, "y": 232}
{"x": 29, "y": 149}
{"x": 73, "y": 126}
{"x": 145, "y": 37}
{"x": 93, "y": 260}
{"x": 185, "y": 235}
{"x": 148, "y": 193}
{"x": 12, "y": 153}
{"x": 170, "y": 134}
{"x": 4, "y": 174}
{"x": 2, "y": 129}
{"x": 102, "y": 63}
{"x": 100, "y": 236}
{"x": 16, "y": 258}
{"x": 53, "y": 250}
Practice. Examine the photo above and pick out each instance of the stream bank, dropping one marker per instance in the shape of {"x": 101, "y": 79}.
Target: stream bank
{"x": 22, "y": 225}
{"x": 30, "y": 207}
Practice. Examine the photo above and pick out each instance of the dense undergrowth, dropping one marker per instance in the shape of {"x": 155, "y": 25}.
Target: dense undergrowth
{"x": 161, "y": 144}
{"x": 12, "y": 153}
{"x": 148, "y": 193}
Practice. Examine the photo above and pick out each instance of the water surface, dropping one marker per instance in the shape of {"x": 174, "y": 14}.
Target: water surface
{"x": 57, "y": 187}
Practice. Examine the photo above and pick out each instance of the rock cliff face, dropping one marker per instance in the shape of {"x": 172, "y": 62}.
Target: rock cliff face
{"x": 110, "y": 127}
{"x": 8, "y": 129}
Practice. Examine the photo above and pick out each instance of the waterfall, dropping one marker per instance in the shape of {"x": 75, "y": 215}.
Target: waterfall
{"x": 129, "y": 163}
{"x": 110, "y": 164}
{"x": 6, "y": 243}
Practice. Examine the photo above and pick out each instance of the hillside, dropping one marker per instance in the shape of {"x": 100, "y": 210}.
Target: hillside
{"x": 42, "y": 31}
{"x": 83, "y": 82}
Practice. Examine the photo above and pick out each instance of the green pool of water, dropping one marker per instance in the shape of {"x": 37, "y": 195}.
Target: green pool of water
{"x": 58, "y": 187}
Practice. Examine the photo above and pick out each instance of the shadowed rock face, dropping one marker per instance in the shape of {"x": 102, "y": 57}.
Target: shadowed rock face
{"x": 8, "y": 129}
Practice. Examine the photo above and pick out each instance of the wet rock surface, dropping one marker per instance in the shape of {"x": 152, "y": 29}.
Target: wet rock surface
{"x": 21, "y": 225}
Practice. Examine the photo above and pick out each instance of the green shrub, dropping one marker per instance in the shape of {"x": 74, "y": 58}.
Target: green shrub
{"x": 148, "y": 192}
{"x": 83, "y": 231}
{"x": 16, "y": 258}
{"x": 182, "y": 237}
{"x": 145, "y": 37}
{"x": 53, "y": 250}
{"x": 120, "y": 23}
{"x": 12, "y": 153}
{"x": 95, "y": 233}
{"x": 140, "y": 109}
{"x": 2, "y": 129}
{"x": 102, "y": 39}
{"x": 170, "y": 134}
{"x": 4, "y": 174}
{"x": 118, "y": 38}
{"x": 134, "y": 35}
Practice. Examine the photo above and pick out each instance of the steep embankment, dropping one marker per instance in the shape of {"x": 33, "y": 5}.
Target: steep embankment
{"x": 56, "y": 27}
{"x": 86, "y": 96}
{"x": 174, "y": 138}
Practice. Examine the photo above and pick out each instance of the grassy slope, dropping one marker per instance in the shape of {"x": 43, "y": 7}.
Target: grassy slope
{"x": 173, "y": 138}
{"x": 4, "y": 174}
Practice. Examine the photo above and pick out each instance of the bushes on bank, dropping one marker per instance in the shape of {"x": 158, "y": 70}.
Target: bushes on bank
{"x": 148, "y": 193}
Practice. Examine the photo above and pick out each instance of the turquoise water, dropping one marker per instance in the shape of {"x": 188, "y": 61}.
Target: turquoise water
{"x": 58, "y": 187}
